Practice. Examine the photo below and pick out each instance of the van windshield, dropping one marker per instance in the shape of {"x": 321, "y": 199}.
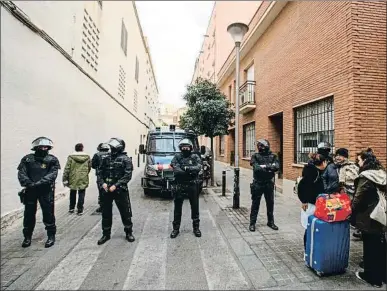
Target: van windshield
{"x": 166, "y": 143}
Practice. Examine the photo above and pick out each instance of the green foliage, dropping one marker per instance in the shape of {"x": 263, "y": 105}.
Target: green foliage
{"x": 209, "y": 112}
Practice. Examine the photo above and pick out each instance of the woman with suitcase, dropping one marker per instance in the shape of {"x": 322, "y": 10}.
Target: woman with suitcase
{"x": 370, "y": 189}
{"x": 311, "y": 184}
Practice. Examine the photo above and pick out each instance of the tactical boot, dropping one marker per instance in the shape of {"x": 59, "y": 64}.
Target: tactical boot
{"x": 99, "y": 210}
{"x": 175, "y": 233}
{"x": 272, "y": 225}
{"x": 26, "y": 242}
{"x": 252, "y": 227}
{"x": 197, "y": 232}
{"x": 130, "y": 237}
{"x": 103, "y": 239}
{"x": 50, "y": 241}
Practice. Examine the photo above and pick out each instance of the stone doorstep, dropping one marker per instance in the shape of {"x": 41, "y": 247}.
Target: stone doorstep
{"x": 8, "y": 219}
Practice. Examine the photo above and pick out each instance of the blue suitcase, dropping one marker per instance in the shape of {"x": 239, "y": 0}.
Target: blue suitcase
{"x": 327, "y": 246}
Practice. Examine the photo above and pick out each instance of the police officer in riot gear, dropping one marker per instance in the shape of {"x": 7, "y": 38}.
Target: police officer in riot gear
{"x": 96, "y": 161}
{"x": 264, "y": 164}
{"x": 113, "y": 177}
{"x": 186, "y": 167}
{"x": 324, "y": 148}
{"x": 37, "y": 172}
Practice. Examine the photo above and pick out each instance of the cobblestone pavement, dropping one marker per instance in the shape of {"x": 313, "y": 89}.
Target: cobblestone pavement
{"x": 226, "y": 257}
{"x": 280, "y": 253}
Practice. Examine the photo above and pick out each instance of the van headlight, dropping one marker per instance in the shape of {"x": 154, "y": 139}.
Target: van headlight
{"x": 150, "y": 171}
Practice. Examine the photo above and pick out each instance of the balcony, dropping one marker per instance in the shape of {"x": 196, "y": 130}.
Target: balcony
{"x": 247, "y": 97}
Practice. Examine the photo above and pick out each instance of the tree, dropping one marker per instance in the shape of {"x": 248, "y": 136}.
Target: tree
{"x": 209, "y": 113}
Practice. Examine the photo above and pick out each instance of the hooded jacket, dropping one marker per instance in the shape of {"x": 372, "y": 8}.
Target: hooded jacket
{"x": 76, "y": 172}
{"x": 366, "y": 198}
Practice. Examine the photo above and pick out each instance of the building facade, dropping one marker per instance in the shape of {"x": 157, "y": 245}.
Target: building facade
{"x": 74, "y": 71}
{"x": 217, "y": 43}
{"x": 310, "y": 72}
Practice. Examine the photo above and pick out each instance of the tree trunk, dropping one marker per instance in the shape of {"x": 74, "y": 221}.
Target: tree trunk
{"x": 212, "y": 162}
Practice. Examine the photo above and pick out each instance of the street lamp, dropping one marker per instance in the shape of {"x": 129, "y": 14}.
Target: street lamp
{"x": 237, "y": 31}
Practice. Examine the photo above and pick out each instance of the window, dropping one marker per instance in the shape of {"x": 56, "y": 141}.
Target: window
{"x": 248, "y": 140}
{"x": 136, "y": 70}
{"x": 314, "y": 123}
{"x": 124, "y": 38}
{"x": 100, "y": 4}
{"x": 221, "y": 145}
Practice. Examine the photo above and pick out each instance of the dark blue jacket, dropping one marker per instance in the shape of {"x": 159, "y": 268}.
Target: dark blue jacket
{"x": 330, "y": 179}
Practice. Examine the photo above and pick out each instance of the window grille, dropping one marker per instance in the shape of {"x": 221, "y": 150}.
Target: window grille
{"x": 314, "y": 123}
{"x": 248, "y": 140}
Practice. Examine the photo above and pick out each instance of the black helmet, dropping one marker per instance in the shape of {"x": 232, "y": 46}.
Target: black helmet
{"x": 117, "y": 144}
{"x": 263, "y": 145}
{"x": 185, "y": 143}
{"x": 103, "y": 147}
{"x": 42, "y": 142}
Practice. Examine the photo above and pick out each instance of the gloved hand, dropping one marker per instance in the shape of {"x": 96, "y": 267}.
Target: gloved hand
{"x": 30, "y": 185}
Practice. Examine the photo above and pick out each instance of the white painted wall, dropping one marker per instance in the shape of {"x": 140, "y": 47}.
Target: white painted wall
{"x": 42, "y": 93}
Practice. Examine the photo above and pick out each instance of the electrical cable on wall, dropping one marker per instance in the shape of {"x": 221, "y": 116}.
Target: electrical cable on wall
{"x": 23, "y": 18}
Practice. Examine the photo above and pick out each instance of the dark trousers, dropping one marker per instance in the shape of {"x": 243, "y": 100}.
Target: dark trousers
{"x": 122, "y": 201}
{"x": 81, "y": 199}
{"x": 45, "y": 196}
{"x": 374, "y": 253}
{"x": 257, "y": 190}
{"x": 101, "y": 192}
{"x": 192, "y": 193}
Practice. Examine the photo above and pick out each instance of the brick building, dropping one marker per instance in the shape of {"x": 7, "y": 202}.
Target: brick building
{"x": 310, "y": 71}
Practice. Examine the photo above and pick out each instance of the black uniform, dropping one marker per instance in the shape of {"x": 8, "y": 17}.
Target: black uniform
{"x": 96, "y": 161}
{"x": 116, "y": 169}
{"x": 38, "y": 175}
{"x": 186, "y": 170}
{"x": 263, "y": 184}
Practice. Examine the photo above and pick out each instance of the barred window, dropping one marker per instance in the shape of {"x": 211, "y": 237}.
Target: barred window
{"x": 221, "y": 145}
{"x": 248, "y": 140}
{"x": 314, "y": 123}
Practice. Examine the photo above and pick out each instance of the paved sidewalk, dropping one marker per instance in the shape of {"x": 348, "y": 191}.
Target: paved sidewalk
{"x": 278, "y": 255}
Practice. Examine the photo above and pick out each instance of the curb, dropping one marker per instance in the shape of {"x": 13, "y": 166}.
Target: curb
{"x": 10, "y": 218}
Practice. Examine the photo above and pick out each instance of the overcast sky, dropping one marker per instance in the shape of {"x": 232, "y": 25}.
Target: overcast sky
{"x": 175, "y": 32}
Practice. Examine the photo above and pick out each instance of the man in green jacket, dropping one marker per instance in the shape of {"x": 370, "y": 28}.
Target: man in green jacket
{"x": 76, "y": 177}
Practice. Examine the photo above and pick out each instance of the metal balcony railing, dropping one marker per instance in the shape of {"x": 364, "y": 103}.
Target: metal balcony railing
{"x": 247, "y": 94}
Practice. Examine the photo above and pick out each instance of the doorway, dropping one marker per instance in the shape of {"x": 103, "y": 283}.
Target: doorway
{"x": 276, "y": 139}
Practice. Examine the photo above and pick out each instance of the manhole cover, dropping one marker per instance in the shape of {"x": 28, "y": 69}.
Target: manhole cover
{"x": 217, "y": 191}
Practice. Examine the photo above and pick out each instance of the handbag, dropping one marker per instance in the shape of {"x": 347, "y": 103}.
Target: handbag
{"x": 379, "y": 212}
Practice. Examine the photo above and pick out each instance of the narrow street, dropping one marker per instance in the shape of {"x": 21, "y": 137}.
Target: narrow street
{"x": 227, "y": 256}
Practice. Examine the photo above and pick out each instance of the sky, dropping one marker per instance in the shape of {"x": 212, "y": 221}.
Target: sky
{"x": 175, "y": 31}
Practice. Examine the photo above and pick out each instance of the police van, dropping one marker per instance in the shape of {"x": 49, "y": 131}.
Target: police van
{"x": 161, "y": 145}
